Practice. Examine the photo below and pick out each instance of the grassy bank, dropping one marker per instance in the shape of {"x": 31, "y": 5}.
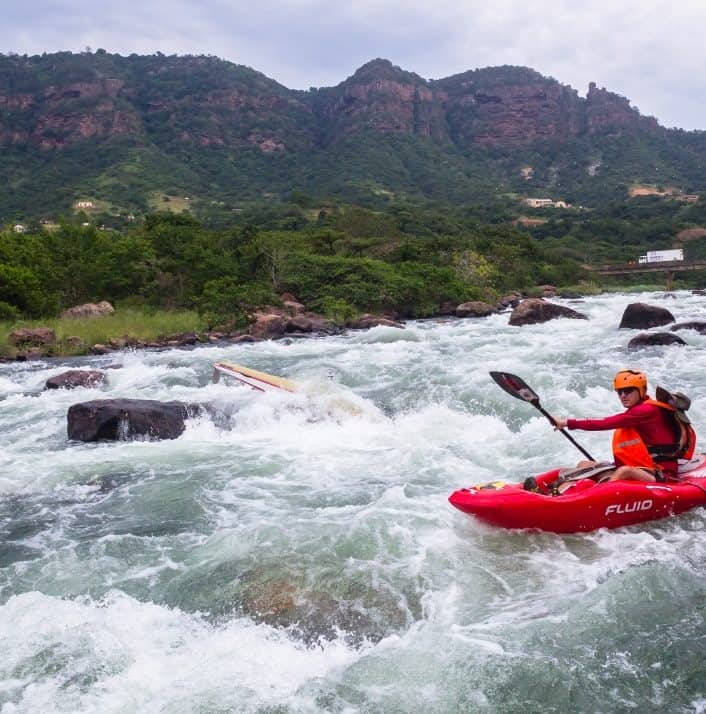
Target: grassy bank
{"x": 128, "y": 324}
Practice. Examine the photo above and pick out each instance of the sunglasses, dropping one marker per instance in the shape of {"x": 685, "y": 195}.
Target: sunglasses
{"x": 626, "y": 390}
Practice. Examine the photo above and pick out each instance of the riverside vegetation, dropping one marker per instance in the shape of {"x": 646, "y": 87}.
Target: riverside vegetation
{"x": 343, "y": 263}
{"x": 171, "y": 273}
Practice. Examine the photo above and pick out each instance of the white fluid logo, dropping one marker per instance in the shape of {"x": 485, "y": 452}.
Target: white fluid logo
{"x": 629, "y": 507}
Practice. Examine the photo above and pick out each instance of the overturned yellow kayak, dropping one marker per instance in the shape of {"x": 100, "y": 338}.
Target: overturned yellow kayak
{"x": 261, "y": 381}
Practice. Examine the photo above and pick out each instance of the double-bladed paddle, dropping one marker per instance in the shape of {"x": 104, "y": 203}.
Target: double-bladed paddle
{"x": 517, "y": 388}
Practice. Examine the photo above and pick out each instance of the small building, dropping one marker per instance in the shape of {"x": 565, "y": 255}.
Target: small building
{"x": 19, "y": 228}
{"x": 84, "y": 204}
{"x": 539, "y": 202}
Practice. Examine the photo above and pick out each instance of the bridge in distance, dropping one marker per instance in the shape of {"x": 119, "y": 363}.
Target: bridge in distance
{"x": 669, "y": 267}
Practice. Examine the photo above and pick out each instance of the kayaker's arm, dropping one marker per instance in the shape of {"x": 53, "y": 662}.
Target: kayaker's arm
{"x": 632, "y": 418}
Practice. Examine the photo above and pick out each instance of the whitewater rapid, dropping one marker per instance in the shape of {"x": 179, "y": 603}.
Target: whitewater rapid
{"x": 297, "y": 553}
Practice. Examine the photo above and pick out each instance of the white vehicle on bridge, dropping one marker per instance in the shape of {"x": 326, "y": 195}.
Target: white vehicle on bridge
{"x": 661, "y": 256}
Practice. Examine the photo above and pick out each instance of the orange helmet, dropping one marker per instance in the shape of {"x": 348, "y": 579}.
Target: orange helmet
{"x": 627, "y": 378}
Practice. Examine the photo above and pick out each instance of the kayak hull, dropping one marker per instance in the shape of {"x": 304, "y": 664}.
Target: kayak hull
{"x": 607, "y": 505}
{"x": 261, "y": 381}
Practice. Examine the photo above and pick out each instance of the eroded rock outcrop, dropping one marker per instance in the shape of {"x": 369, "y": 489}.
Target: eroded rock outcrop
{"x": 89, "y": 309}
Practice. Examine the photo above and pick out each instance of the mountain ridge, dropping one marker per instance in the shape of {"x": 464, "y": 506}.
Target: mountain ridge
{"x": 232, "y": 133}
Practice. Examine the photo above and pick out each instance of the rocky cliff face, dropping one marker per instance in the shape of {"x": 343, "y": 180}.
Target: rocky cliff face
{"x": 211, "y": 103}
{"x": 382, "y": 98}
{"x": 608, "y": 112}
{"x": 511, "y": 107}
{"x": 61, "y": 115}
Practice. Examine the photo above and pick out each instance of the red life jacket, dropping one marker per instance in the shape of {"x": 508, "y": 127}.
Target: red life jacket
{"x": 630, "y": 449}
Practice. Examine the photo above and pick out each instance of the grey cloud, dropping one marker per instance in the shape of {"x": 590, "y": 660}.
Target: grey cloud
{"x": 637, "y": 48}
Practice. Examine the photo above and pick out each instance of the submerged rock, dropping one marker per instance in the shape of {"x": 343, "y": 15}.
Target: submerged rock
{"x": 640, "y": 316}
{"x": 651, "y": 339}
{"x": 125, "y": 419}
{"x": 75, "y": 378}
{"x": 696, "y": 325}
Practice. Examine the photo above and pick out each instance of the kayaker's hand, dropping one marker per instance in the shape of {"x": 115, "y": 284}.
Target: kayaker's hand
{"x": 560, "y": 423}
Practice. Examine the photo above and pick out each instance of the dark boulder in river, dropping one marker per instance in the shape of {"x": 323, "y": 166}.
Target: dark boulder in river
{"x": 535, "y": 310}
{"x": 75, "y": 378}
{"x": 640, "y": 316}
{"x": 651, "y": 339}
{"x": 125, "y": 419}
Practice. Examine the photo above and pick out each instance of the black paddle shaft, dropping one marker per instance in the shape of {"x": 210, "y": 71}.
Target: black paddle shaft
{"x": 517, "y": 388}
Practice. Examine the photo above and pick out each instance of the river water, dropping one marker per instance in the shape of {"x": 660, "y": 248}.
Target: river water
{"x": 297, "y": 553}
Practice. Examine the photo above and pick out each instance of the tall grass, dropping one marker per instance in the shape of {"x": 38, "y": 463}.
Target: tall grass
{"x": 130, "y": 324}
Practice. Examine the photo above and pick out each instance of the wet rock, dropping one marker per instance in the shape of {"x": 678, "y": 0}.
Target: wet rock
{"x": 89, "y": 309}
{"x": 182, "y": 338}
{"x": 125, "y": 419}
{"x": 475, "y": 308}
{"x": 300, "y": 323}
{"x": 535, "y": 310}
{"x": 31, "y": 353}
{"x": 292, "y": 305}
{"x": 651, "y": 339}
{"x": 640, "y": 316}
{"x": 99, "y": 349}
{"x": 34, "y": 336}
{"x": 365, "y": 322}
{"x": 75, "y": 378}
{"x": 696, "y": 325}
{"x": 268, "y": 326}
{"x": 698, "y": 291}
{"x": 510, "y": 300}
{"x": 246, "y": 338}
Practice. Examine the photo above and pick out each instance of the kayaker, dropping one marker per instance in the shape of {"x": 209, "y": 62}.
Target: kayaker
{"x": 648, "y": 439}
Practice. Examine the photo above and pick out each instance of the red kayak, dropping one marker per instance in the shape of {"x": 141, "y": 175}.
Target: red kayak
{"x": 605, "y": 505}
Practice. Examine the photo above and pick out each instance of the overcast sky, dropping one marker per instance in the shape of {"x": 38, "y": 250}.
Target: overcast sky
{"x": 650, "y": 51}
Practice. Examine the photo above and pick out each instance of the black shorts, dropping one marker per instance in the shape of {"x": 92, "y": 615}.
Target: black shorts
{"x": 657, "y": 473}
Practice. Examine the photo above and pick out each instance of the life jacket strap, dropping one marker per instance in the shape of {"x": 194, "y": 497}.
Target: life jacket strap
{"x": 665, "y": 452}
